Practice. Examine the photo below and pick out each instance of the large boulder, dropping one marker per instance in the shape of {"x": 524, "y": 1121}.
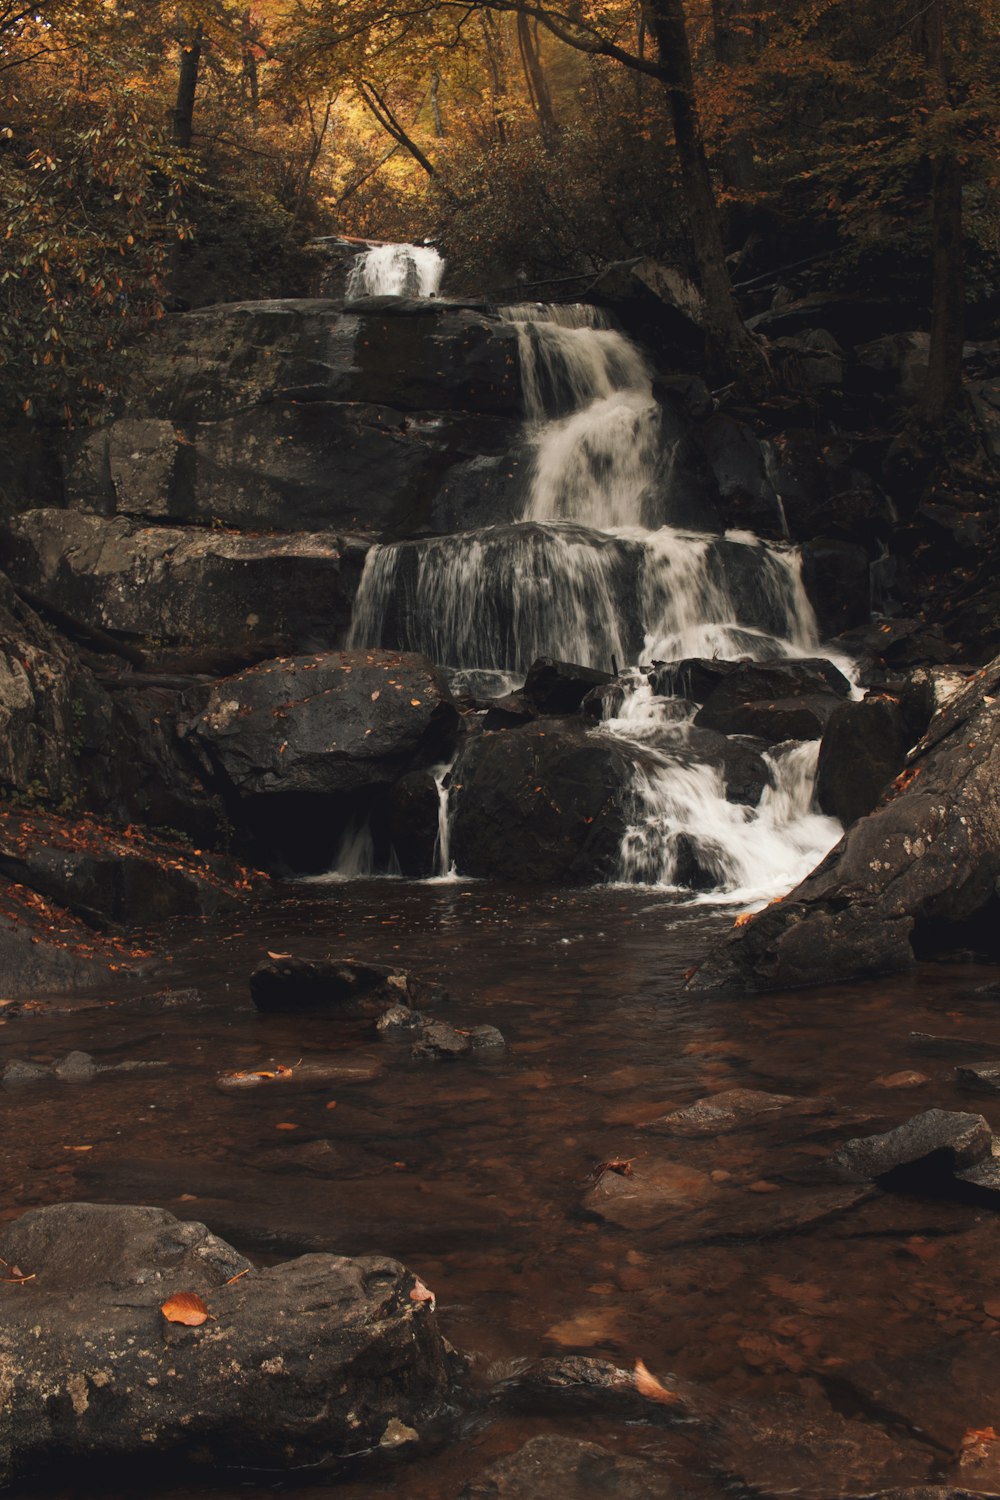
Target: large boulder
{"x": 775, "y": 700}
{"x": 918, "y": 875}
{"x": 300, "y": 1364}
{"x": 302, "y": 743}
{"x": 864, "y": 747}
{"x": 256, "y": 595}
{"x": 544, "y": 803}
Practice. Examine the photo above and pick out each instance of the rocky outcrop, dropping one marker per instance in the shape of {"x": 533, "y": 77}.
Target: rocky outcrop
{"x": 253, "y": 596}
{"x": 300, "y": 1364}
{"x": 546, "y": 802}
{"x": 917, "y": 875}
{"x": 297, "y": 415}
{"x": 774, "y": 700}
{"x": 864, "y": 747}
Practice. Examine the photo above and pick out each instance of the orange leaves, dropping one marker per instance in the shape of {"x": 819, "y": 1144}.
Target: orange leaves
{"x": 186, "y": 1308}
{"x": 620, "y": 1165}
{"x": 977, "y": 1437}
{"x": 743, "y": 918}
{"x": 16, "y": 1276}
{"x": 647, "y": 1385}
{"x": 421, "y": 1293}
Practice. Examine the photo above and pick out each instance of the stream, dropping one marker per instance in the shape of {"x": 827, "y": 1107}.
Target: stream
{"x": 475, "y": 1174}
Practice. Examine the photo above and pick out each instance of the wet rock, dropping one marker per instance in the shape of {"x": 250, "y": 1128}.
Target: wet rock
{"x": 399, "y": 1020}
{"x": 864, "y": 747}
{"x": 75, "y": 1067}
{"x": 509, "y": 712}
{"x": 895, "y": 365}
{"x": 18, "y": 1073}
{"x": 570, "y": 1468}
{"x": 930, "y": 1146}
{"x": 807, "y": 1447}
{"x": 292, "y": 986}
{"x": 938, "y": 1397}
{"x": 255, "y": 595}
{"x": 44, "y": 950}
{"x": 288, "y": 738}
{"x": 322, "y": 1159}
{"x": 836, "y": 576}
{"x": 920, "y": 872}
{"x": 439, "y": 1042}
{"x": 487, "y": 1039}
{"x": 541, "y": 805}
{"x": 412, "y": 822}
{"x": 982, "y": 1078}
{"x": 316, "y": 1073}
{"x": 718, "y": 1113}
{"x": 774, "y": 701}
{"x": 577, "y": 1382}
{"x": 304, "y": 1362}
{"x": 559, "y": 687}
{"x": 655, "y": 1191}
{"x": 696, "y": 862}
{"x": 695, "y": 677}
{"x": 906, "y": 1078}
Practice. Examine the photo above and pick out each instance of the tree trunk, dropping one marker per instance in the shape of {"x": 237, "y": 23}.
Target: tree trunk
{"x": 182, "y": 118}
{"x": 943, "y": 385}
{"x": 733, "y": 44}
{"x": 731, "y": 344}
{"x": 534, "y": 77}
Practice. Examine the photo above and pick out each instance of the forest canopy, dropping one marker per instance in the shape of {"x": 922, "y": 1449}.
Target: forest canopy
{"x": 151, "y": 151}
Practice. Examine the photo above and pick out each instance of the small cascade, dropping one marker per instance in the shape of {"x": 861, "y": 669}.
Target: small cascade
{"x": 593, "y": 421}
{"x": 395, "y": 271}
{"x": 584, "y": 577}
{"x": 443, "y": 867}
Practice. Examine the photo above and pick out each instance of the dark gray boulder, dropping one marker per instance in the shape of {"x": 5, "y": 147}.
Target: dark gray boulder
{"x": 545, "y": 803}
{"x": 336, "y": 722}
{"x": 303, "y": 1363}
{"x": 928, "y": 1146}
{"x": 864, "y": 747}
{"x": 774, "y": 700}
{"x": 920, "y": 873}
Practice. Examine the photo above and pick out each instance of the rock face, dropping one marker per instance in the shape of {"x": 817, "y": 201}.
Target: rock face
{"x": 295, "y": 414}
{"x": 864, "y": 747}
{"x": 302, "y": 1363}
{"x": 543, "y": 803}
{"x": 916, "y": 875}
{"x": 775, "y": 700}
{"x": 290, "y": 740}
{"x": 254, "y": 596}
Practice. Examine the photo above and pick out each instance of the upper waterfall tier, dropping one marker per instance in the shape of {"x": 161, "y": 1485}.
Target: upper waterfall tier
{"x": 594, "y": 424}
{"x": 395, "y": 271}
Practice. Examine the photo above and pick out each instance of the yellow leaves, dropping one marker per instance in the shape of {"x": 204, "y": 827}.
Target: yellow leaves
{"x": 186, "y": 1308}
{"x": 647, "y": 1385}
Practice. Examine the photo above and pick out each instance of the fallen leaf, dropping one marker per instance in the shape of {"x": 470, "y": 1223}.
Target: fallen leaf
{"x": 238, "y": 1277}
{"x": 78, "y": 1148}
{"x": 647, "y": 1385}
{"x": 286, "y": 1125}
{"x": 186, "y": 1308}
{"x": 421, "y": 1293}
{"x": 276, "y": 956}
{"x": 376, "y": 695}
{"x": 743, "y": 918}
{"x": 414, "y": 702}
{"x": 977, "y": 1435}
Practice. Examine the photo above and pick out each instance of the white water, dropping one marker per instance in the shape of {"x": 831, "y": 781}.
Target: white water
{"x": 584, "y": 578}
{"x": 395, "y": 271}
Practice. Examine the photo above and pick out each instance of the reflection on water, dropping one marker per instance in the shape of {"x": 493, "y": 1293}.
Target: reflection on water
{"x": 476, "y": 1174}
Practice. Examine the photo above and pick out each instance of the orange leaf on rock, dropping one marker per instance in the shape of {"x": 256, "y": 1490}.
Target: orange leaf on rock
{"x": 422, "y": 1293}
{"x": 647, "y": 1385}
{"x": 977, "y": 1435}
{"x": 187, "y": 1308}
{"x": 276, "y": 956}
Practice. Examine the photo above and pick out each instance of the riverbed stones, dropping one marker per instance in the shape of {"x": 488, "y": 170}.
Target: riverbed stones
{"x": 919, "y": 873}
{"x": 718, "y": 1113}
{"x": 302, "y": 1363}
{"x": 979, "y": 1078}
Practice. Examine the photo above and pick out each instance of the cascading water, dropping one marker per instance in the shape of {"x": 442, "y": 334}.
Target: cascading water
{"x": 395, "y": 271}
{"x": 589, "y": 575}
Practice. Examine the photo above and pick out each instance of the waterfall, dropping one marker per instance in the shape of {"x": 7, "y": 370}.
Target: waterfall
{"x": 584, "y": 576}
{"x": 395, "y": 271}
{"x": 593, "y": 421}
{"x": 443, "y": 867}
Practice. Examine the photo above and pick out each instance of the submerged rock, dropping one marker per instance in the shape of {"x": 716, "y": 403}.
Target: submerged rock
{"x": 716, "y": 1113}
{"x": 918, "y": 874}
{"x": 303, "y": 1363}
{"x": 567, "y": 1467}
{"x": 287, "y": 985}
